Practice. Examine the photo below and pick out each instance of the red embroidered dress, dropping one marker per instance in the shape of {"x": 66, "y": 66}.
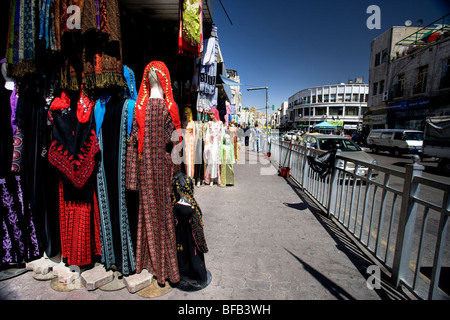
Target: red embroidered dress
{"x": 152, "y": 175}
{"x": 73, "y": 151}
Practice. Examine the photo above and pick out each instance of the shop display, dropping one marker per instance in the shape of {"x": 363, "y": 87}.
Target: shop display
{"x": 88, "y": 177}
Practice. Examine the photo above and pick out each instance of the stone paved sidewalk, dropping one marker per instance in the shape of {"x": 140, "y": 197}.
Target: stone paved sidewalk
{"x": 267, "y": 241}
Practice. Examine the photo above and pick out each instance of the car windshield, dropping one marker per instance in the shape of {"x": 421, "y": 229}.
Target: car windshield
{"x": 414, "y": 136}
{"x": 343, "y": 144}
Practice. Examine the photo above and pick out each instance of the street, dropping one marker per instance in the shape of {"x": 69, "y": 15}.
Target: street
{"x": 399, "y": 163}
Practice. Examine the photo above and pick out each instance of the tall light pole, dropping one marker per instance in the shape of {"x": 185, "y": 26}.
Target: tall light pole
{"x": 267, "y": 99}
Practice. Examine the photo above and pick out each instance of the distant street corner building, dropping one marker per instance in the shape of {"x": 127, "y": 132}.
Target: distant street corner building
{"x": 340, "y": 104}
{"x": 409, "y": 76}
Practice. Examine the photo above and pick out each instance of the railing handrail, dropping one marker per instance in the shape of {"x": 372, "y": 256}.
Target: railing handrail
{"x": 402, "y": 208}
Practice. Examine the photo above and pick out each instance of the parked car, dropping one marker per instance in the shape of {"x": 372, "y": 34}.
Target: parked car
{"x": 290, "y": 135}
{"x": 396, "y": 141}
{"x": 348, "y": 149}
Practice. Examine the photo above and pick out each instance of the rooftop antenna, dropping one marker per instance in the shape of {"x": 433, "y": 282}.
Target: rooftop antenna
{"x": 420, "y": 22}
{"x": 408, "y": 23}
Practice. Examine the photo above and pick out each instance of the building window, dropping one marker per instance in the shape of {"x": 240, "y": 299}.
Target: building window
{"x": 421, "y": 80}
{"x": 348, "y": 97}
{"x": 325, "y": 98}
{"x": 336, "y": 111}
{"x": 381, "y": 86}
{"x": 313, "y": 99}
{"x": 384, "y": 56}
{"x": 351, "y": 111}
{"x": 340, "y": 97}
{"x": 377, "y": 59}
{"x": 319, "y": 98}
{"x": 375, "y": 89}
{"x": 333, "y": 97}
{"x": 321, "y": 111}
{"x": 364, "y": 110}
{"x": 445, "y": 75}
{"x": 398, "y": 85}
{"x": 355, "y": 97}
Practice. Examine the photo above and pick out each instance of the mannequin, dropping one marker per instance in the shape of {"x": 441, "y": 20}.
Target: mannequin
{"x": 227, "y": 162}
{"x": 191, "y": 244}
{"x": 213, "y": 139}
{"x": 189, "y": 140}
{"x": 149, "y": 170}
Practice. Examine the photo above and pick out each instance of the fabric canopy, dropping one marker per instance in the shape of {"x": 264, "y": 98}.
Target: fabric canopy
{"x": 325, "y": 125}
{"x": 229, "y": 82}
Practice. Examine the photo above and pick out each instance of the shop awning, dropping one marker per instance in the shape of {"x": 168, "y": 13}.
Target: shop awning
{"x": 325, "y": 125}
{"x": 229, "y": 82}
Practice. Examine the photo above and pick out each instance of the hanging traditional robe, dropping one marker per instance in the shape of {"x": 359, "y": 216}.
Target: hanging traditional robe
{"x": 117, "y": 246}
{"x": 73, "y": 152}
{"x": 150, "y": 170}
{"x": 17, "y": 230}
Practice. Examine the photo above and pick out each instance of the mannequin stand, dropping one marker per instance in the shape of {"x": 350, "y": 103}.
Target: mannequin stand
{"x": 155, "y": 290}
{"x": 59, "y": 286}
{"x": 190, "y": 286}
{"x": 116, "y": 284}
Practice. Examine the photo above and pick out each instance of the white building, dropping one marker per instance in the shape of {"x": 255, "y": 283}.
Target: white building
{"x": 342, "y": 104}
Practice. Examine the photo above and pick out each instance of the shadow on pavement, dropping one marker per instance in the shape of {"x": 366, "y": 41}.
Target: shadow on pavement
{"x": 330, "y": 285}
{"x": 346, "y": 245}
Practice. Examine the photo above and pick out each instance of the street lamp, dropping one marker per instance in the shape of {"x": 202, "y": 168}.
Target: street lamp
{"x": 267, "y": 99}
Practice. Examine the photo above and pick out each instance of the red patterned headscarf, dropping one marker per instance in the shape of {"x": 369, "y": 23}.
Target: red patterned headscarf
{"x": 144, "y": 93}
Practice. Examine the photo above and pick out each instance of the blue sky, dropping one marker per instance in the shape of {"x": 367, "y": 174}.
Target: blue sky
{"x": 290, "y": 45}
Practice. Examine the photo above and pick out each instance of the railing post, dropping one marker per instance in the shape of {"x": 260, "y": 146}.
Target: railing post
{"x": 407, "y": 219}
{"x": 305, "y": 166}
{"x": 333, "y": 187}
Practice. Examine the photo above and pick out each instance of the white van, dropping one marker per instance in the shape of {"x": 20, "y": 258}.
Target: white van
{"x": 396, "y": 141}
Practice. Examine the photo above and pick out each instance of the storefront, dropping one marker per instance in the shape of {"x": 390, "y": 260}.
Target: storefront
{"x": 86, "y": 109}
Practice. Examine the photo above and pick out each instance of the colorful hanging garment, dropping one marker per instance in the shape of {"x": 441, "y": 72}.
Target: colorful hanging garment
{"x": 73, "y": 152}
{"x": 208, "y": 73}
{"x": 132, "y": 97}
{"x": 190, "y": 38}
{"x": 17, "y": 229}
{"x": 21, "y": 38}
{"x": 102, "y": 53}
{"x": 117, "y": 246}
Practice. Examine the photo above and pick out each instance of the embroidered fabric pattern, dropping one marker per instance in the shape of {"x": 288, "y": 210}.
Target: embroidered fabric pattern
{"x": 78, "y": 169}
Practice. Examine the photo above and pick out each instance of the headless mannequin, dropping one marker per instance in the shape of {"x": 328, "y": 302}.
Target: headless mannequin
{"x": 156, "y": 90}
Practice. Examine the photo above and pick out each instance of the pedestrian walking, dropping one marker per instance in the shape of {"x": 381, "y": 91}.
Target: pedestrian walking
{"x": 257, "y": 138}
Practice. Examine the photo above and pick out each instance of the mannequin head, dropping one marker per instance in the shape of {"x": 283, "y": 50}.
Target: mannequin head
{"x": 227, "y": 139}
{"x": 184, "y": 187}
{"x": 188, "y": 114}
{"x": 156, "y": 90}
{"x": 214, "y": 115}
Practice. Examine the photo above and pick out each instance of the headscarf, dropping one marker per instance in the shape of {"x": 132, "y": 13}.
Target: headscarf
{"x": 184, "y": 185}
{"x": 144, "y": 93}
{"x": 216, "y": 113}
{"x": 132, "y": 93}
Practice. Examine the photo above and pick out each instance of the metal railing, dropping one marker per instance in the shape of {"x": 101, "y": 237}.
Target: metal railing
{"x": 386, "y": 211}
